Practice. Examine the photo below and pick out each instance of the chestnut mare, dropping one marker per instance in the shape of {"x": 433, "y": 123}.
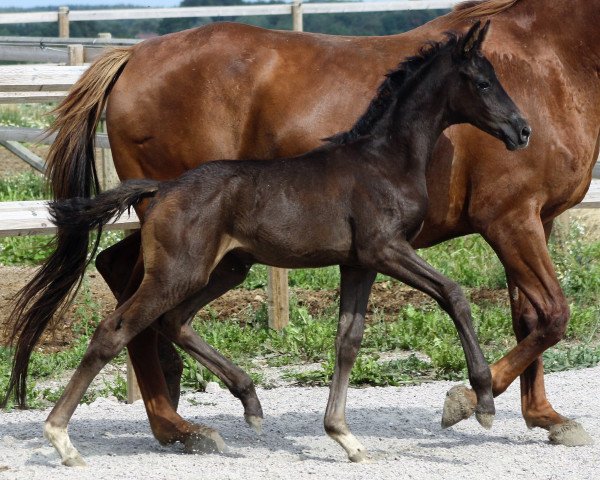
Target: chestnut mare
{"x": 235, "y": 91}
{"x": 356, "y": 202}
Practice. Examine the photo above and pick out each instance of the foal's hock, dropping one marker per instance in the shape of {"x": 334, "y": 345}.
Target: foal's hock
{"x": 355, "y": 202}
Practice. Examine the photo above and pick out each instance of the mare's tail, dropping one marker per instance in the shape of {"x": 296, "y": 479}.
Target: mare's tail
{"x": 71, "y": 173}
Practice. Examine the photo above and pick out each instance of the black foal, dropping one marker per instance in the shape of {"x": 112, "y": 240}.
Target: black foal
{"x": 356, "y": 202}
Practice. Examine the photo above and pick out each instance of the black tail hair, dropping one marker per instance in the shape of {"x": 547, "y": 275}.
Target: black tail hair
{"x": 38, "y": 302}
{"x": 89, "y": 213}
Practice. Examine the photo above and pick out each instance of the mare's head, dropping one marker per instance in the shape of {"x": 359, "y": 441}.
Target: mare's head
{"x": 476, "y": 96}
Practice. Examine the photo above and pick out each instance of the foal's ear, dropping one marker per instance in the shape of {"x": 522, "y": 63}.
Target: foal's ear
{"x": 482, "y": 34}
{"x": 473, "y": 39}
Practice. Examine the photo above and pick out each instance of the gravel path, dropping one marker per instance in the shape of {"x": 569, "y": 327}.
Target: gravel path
{"x": 399, "y": 426}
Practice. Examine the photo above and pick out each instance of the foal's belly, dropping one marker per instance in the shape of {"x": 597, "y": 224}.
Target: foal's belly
{"x": 297, "y": 241}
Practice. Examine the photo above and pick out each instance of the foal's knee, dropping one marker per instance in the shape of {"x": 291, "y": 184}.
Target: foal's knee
{"x": 108, "y": 339}
{"x": 457, "y": 302}
{"x": 348, "y": 343}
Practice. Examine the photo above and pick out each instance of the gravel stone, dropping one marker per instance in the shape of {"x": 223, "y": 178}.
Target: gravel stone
{"x": 399, "y": 426}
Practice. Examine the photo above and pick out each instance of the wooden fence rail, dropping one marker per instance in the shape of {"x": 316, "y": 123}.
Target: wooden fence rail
{"x": 55, "y": 49}
{"x": 63, "y": 16}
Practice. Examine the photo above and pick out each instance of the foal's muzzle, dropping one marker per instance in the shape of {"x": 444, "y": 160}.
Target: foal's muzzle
{"x": 518, "y": 134}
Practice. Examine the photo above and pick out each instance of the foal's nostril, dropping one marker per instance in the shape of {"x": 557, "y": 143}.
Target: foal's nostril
{"x": 525, "y": 133}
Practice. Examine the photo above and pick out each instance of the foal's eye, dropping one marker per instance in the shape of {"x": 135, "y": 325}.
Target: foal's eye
{"x": 483, "y": 85}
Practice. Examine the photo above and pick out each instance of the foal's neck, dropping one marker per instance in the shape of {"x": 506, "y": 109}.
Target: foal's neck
{"x": 415, "y": 123}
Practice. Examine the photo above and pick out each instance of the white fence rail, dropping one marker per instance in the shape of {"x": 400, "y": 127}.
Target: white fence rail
{"x": 296, "y": 9}
{"x": 55, "y": 49}
{"x": 32, "y": 218}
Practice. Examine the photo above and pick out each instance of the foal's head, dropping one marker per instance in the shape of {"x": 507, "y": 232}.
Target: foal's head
{"x": 476, "y": 96}
{"x": 453, "y": 75}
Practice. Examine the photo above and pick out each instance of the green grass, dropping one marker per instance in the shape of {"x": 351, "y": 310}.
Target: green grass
{"x": 26, "y": 115}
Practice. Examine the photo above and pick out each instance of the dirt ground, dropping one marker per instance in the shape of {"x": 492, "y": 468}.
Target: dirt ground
{"x": 387, "y": 297}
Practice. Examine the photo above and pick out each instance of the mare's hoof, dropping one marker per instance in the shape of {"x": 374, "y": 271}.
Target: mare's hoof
{"x": 570, "y": 433}
{"x": 457, "y": 406}
{"x": 205, "y": 442}
{"x": 486, "y": 420}
{"x": 255, "y": 422}
{"x": 359, "y": 457}
{"x": 76, "y": 461}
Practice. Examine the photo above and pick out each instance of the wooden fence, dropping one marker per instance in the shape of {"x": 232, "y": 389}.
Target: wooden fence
{"x": 56, "y": 49}
{"x": 63, "y": 16}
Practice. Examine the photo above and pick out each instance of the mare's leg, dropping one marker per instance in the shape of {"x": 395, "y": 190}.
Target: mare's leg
{"x": 153, "y": 298}
{"x": 166, "y": 424}
{"x": 400, "y": 261}
{"x": 355, "y": 288}
{"x": 116, "y": 264}
{"x": 540, "y": 317}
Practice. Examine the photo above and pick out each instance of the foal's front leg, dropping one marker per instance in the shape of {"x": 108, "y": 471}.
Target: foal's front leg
{"x": 400, "y": 261}
{"x": 355, "y": 288}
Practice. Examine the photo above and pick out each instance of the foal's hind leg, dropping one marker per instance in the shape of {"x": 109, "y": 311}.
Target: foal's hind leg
{"x": 166, "y": 424}
{"x": 401, "y": 261}
{"x": 185, "y": 337}
{"x": 121, "y": 267}
{"x": 355, "y": 288}
{"x": 110, "y": 337}
{"x": 172, "y": 322}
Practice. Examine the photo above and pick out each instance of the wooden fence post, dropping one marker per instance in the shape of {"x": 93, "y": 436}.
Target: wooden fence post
{"x": 278, "y": 302}
{"x": 110, "y": 179}
{"x": 133, "y": 389}
{"x": 75, "y": 53}
{"x": 63, "y": 22}
{"x": 278, "y": 296}
{"x": 297, "y": 16}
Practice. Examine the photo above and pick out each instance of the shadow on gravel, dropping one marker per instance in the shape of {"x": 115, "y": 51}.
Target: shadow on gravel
{"x": 293, "y": 433}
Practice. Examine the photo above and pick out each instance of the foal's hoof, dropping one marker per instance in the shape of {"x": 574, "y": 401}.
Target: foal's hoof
{"x": 486, "y": 420}
{"x": 457, "y": 406}
{"x": 76, "y": 461}
{"x": 255, "y": 422}
{"x": 208, "y": 441}
{"x": 360, "y": 456}
{"x": 570, "y": 433}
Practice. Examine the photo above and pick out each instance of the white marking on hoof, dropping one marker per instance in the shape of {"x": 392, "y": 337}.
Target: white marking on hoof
{"x": 205, "y": 441}
{"x": 359, "y": 457}
{"x": 354, "y": 449}
{"x": 486, "y": 420}
{"x": 570, "y": 434}
{"x": 255, "y": 422}
{"x": 457, "y": 406}
{"x": 59, "y": 438}
{"x": 77, "y": 461}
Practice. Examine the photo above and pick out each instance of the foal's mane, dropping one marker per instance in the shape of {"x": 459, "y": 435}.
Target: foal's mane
{"x": 392, "y": 89}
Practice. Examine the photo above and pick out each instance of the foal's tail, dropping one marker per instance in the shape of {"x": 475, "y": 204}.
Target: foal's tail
{"x": 86, "y": 214}
{"x": 75, "y": 218}
{"x": 71, "y": 173}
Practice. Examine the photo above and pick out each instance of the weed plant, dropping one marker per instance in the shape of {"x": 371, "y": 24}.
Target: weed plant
{"x": 26, "y": 115}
